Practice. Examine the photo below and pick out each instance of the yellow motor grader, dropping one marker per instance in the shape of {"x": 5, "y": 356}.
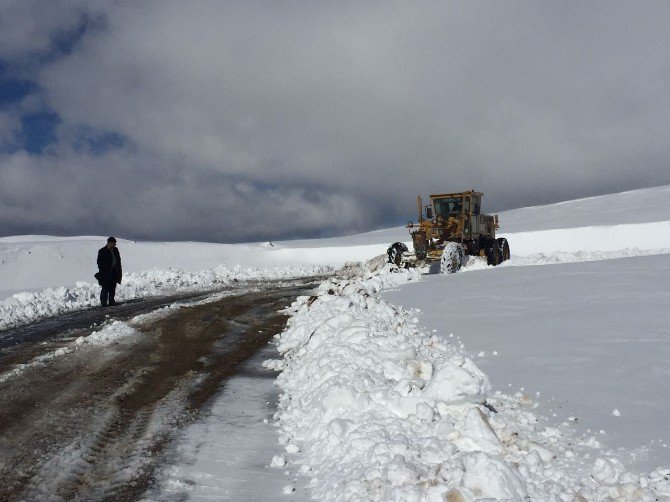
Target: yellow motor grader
{"x": 453, "y": 227}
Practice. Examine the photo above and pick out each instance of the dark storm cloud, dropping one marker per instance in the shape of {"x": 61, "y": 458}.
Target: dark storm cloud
{"x": 161, "y": 200}
{"x": 255, "y": 120}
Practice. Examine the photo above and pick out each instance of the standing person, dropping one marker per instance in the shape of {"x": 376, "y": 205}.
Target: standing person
{"x": 109, "y": 271}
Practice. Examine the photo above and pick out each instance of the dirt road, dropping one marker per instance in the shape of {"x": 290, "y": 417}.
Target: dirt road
{"x": 92, "y": 424}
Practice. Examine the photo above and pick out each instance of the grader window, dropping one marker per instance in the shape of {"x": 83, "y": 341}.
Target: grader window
{"x": 448, "y": 205}
{"x": 475, "y": 205}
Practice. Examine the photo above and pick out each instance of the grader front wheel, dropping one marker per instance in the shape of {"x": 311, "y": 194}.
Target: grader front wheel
{"x": 452, "y": 258}
{"x": 395, "y": 252}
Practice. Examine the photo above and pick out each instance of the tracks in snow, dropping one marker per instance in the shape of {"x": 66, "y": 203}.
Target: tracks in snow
{"x": 93, "y": 425}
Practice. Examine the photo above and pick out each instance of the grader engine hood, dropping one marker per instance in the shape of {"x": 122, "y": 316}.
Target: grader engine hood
{"x": 453, "y": 227}
{"x": 440, "y": 229}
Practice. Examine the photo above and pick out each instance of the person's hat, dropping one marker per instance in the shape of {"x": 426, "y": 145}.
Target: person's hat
{"x": 111, "y": 239}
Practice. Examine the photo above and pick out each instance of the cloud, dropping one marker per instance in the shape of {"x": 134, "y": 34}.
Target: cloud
{"x": 304, "y": 118}
{"x": 105, "y": 194}
{"x": 31, "y": 28}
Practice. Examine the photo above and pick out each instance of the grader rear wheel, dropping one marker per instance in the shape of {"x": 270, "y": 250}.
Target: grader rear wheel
{"x": 503, "y": 246}
{"x": 493, "y": 253}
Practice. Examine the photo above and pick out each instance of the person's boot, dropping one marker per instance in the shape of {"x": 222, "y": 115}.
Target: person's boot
{"x": 103, "y": 298}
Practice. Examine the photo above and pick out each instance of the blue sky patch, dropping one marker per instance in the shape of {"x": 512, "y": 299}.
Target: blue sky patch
{"x": 64, "y": 41}
{"x": 38, "y": 131}
{"x": 13, "y": 90}
{"x": 98, "y": 142}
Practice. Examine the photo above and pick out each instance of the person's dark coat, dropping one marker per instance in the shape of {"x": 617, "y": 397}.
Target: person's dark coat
{"x": 106, "y": 274}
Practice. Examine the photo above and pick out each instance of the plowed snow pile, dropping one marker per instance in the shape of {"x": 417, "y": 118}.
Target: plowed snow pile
{"x": 374, "y": 408}
{"x": 22, "y": 308}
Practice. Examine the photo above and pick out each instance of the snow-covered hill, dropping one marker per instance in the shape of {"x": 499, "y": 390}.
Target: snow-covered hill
{"x": 635, "y": 206}
{"x": 381, "y": 401}
{"x": 635, "y": 220}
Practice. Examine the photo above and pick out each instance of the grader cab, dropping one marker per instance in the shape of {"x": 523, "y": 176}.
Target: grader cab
{"x": 451, "y": 227}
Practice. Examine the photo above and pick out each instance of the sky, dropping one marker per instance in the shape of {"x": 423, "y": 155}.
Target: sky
{"x": 263, "y": 120}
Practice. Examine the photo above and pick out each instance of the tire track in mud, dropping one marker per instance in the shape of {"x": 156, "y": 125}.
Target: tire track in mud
{"x": 92, "y": 425}
{"x": 21, "y": 342}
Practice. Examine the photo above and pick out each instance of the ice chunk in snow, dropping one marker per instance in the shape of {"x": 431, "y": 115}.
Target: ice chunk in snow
{"x": 273, "y": 364}
{"x": 278, "y": 461}
{"x": 340, "y": 402}
{"x": 338, "y": 428}
{"x": 399, "y": 472}
{"x": 489, "y": 476}
{"x": 393, "y": 370}
{"x": 545, "y": 454}
{"x": 477, "y": 434}
{"x": 424, "y": 412}
{"x": 459, "y": 380}
{"x": 606, "y": 471}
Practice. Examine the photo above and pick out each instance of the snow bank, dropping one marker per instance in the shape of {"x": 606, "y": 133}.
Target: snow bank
{"x": 643, "y": 236}
{"x": 26, "y": 307}
{"x": 29, "y": 263}
{"x": 375, "y": 409}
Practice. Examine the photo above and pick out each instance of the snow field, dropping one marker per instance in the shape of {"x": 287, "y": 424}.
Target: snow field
{"x": 373, "y": 408}
{"x": 585, "y": 338}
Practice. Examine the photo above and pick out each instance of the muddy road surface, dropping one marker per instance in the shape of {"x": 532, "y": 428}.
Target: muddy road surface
{"x": 89, "y": 421}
